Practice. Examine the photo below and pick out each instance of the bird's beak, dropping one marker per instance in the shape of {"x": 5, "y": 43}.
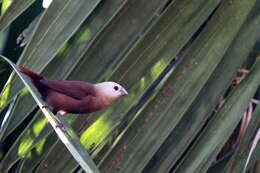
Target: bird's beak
{"x": 123, "y": 91}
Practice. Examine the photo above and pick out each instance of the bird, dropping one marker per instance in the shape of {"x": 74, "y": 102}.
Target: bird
{"x": 76, "y": 97}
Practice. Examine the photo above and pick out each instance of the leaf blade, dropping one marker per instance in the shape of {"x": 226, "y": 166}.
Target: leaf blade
{"x": 195, "y": 118}
{"x": 69, "y": 138}
{"x": 58, "y": 23}
{"x": 15, "y": 9}
{"x": 148, "y": 131}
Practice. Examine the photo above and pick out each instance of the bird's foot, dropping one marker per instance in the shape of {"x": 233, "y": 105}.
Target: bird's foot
{"x": 61, "y": 122}
{"x": 45, "y": 106}
{"x": 61, "y": 126}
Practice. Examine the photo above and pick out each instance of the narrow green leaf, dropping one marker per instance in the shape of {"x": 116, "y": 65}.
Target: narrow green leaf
{"x": 69, "y": 138}
{"x": 36, "y": 131}
{"x": 7, "y": 118}
{"x": 3, "y": 66}
{"x": 4, "y": 96}
{"x": 27, "y": 34}
{"x": 158, "y": 46}
{"x": 155, "y": 122}
{"x": 123, "y": 31}
{"x": 23, "y": 106}
{"x": 194, "y": 119}
{"x": 238, "y": 160}
{"x": 220, "y": 165}
{"x": 15, "y": 9}
{"x": 34, "y": 157}
{"x": 61, "y": 66}
{"x": 57, "y": 25}
{"x": 255, "y": 157}
{"x": 221, "y": 126}
{"x": 175, "y": 28}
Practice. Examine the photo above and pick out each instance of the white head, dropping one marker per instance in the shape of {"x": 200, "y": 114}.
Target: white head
{"x": 110, "y": 90}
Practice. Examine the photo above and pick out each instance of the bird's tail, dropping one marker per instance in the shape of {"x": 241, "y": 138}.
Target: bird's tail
{"x": 31, "y": 74}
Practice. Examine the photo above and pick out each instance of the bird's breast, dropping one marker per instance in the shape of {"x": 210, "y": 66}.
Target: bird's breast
{"x": 59, "y": 101}
{"x": 95, "y": 103}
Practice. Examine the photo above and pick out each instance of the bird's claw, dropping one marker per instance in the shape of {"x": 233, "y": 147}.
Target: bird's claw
{"x": 61, "y": 124}
{"x": 45, "y": 106}
{"x": 61, "y": 127}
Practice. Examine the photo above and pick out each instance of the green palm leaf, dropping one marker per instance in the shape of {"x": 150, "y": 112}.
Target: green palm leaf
{"x": 69, "y": 138}
{"x": 176, "y": 58}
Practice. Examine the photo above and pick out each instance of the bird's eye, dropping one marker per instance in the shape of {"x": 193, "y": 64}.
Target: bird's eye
{"x": 116, "y": 88}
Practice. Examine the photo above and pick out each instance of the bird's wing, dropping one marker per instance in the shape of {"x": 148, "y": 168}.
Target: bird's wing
{"x": 74, "y": 89}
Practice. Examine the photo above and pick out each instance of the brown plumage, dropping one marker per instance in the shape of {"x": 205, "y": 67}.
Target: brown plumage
{"x": 65, "y": 96}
